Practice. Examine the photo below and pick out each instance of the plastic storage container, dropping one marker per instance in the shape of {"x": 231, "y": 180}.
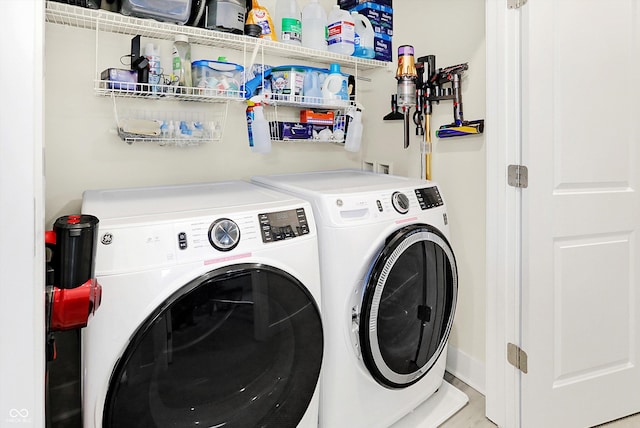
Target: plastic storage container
{"x": 314, "y": 26}
{"x": 225, "y": 77}
{"x": 287, "y": 22}
{"x": 287, "y": 82}
{"x": 177, "y": 11}
{"x": 341, "y": 31}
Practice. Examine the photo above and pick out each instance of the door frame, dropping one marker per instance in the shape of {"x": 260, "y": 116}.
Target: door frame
{"x": 504, "y": 220}
{"x": 22, "y": 390}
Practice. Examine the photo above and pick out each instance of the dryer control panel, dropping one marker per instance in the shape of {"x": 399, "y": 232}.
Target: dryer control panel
{"x": 279, "y": 225}
{"x": 429, "y": 197}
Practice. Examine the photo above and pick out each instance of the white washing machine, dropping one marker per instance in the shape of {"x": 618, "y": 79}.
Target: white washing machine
{"x": 389, "y": 288}
{"x": 210, "y": 310}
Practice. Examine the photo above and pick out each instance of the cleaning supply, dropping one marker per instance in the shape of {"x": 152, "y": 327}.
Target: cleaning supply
{"x": 314, "y": 26}
{"x": 363, "y": 39}
{"x": 354, "y": 133}
{"x": 341, "y": 31}
{"x": 181, "y": 54}
{"x": 257, "y": 127}
{"x": 311, "y": 91}
{"x": 260, "y": 16}
{"x": 334, "y": 88}
{"x": 152, "y": 53}
{"x": 288, "y": 22}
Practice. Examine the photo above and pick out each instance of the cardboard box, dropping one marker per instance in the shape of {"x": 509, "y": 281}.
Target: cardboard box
{"x": 119, "y": 79}
{"x": 316, "y": 118}
{"x": 383, "y": 47}
{"x": 291, "y": 130}
{"x": 348, "y": 4}
{"x": 381, "y": 16}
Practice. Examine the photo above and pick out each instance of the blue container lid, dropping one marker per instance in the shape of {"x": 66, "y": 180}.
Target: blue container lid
{"x": 217, "y": 65}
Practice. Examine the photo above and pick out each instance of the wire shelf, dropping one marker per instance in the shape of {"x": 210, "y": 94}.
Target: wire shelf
{"x": 76, "y": 16}
{"x": 165, "y": 92}
{"x": 177, "y": 128}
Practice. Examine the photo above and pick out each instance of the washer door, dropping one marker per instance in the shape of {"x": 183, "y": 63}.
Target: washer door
{"x": 238, "y": 347}
{"x": 408, "y": 305}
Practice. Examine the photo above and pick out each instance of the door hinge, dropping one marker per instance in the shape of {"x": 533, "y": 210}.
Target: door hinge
{"x": 515, "y": 4}
{"x": 517, "y": 357}
{"x": 518, "y": 176}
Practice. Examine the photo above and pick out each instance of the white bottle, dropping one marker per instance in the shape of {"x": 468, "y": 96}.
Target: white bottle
{"x": 314, "y": 26}
{"x": 181, "y": 54}
{"x": 334, "y": 87}
{"x": 288, "y": 22}
{"x": 152, "y": 53}
{"x": 363, "y": 41}
{"x": 354, "y": 133}
{"x": 341, "y": 30}
{"x": 260, "y": 131}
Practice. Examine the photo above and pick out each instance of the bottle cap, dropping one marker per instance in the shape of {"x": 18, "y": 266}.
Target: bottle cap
{"x": 252, "y": 30}
{"x": 334, "y": 68}
{"x": 181, "y": 38}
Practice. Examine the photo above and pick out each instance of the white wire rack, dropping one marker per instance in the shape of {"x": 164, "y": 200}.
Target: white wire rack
{"x": 75, "y": 16}
{"x": 279, "y": 118}
{"x": 170, "y": 128}
{"x": 168, "y": 92}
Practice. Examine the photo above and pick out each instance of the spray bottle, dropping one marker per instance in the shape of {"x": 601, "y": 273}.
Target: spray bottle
{"x": 257, "y": 127}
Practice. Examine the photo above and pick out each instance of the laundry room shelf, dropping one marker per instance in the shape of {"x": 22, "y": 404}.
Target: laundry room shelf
{"x": 102, "y": 20}
{"x": 165, "y": 92}
{"x": 173, "y": 129}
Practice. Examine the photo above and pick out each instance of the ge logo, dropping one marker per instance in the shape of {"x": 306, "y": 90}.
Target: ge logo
{"x": 18, "y": 413}
{"x": 107, "y": 239}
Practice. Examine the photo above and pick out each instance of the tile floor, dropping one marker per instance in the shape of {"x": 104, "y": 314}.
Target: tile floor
{"x": 472, "y": 415}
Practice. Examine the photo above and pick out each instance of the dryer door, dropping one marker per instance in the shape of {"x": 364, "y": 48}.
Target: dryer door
{"x": 238, "y": 347}
{"x": 408, "y": 305}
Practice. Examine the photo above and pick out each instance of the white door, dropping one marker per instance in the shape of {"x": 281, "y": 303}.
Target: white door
{"x": 581, "y": 212}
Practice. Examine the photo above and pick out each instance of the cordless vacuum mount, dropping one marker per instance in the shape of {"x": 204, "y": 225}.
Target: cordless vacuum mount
{"x": 420, "y": 84}
{"x": 442, "y": 84}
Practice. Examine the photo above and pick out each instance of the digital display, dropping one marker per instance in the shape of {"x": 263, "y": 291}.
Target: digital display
{"x": 280, "y": 225}
{"x": 429, "y": 197}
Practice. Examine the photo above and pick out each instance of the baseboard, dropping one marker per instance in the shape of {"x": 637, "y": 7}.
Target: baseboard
{"x": 469, "y": 370}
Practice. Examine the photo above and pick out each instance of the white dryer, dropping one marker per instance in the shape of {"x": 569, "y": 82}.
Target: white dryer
{"x": 210, "y": 310}
{"x": 389, "y": 288}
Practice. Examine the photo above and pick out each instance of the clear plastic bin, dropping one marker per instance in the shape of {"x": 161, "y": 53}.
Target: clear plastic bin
{"x": 177, "y": 11}
{"x": 222, "y": 77}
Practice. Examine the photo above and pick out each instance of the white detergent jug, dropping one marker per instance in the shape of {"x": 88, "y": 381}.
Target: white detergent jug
{"x": 334, "y": 87}
{"x": 288, "y": 22}
{"x": 314, "y": 26}
{"x": 341, "y": 30}
{"x": 363, "y": 40}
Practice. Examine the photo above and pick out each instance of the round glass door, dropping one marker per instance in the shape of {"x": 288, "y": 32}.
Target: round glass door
{"x": 237, "y": 347}
{"x": 408, "y": 305}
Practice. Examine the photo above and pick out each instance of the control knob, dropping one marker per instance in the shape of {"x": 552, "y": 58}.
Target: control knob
{"x": 400, "y": 202}
{"x": 224, "y": 234}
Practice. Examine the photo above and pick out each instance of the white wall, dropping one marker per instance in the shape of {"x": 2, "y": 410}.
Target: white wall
{"x": 83, "y": 152}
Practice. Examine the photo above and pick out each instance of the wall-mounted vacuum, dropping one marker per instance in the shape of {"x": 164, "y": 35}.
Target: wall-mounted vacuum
{"x": 420, "y": 84}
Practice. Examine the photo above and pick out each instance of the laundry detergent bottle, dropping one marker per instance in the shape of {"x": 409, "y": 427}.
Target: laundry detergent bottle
{"x": 314, "y": 26}
{"x": 341, "y": 31}
{"x": 288, "y": 22}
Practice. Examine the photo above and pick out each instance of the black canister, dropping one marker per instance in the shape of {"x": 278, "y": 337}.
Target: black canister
{"x": 75, "y": 250}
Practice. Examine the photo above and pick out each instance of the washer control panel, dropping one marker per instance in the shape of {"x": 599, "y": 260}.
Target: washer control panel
{"x": 429, "y": 197}
{"x": 280, "y": 225}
